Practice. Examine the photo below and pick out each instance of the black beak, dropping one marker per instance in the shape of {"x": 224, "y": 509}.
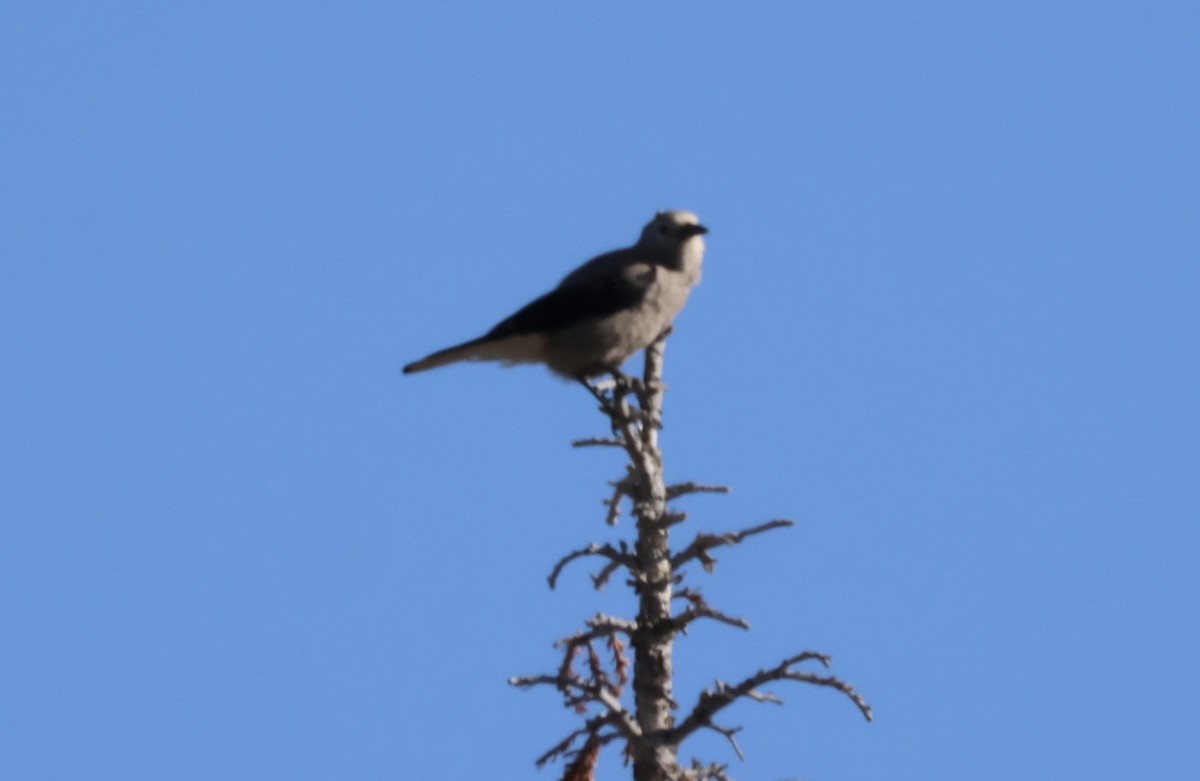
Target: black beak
{"x": 688, "y": 231}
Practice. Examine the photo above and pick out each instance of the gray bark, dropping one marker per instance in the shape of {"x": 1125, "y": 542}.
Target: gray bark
{"x": 653, "y": 641}
{"x": 649, "y": 728}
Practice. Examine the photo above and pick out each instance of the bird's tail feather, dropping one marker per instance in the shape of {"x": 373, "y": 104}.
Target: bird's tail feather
{"x": 526, "y": 348}
{"x": 459, "y": 352}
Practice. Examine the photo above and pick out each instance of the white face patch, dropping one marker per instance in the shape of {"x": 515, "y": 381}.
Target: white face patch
{"x": 663, "y": 230}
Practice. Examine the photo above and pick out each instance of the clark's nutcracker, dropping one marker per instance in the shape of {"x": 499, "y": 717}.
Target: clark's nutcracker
{"x": 602, "y": 312}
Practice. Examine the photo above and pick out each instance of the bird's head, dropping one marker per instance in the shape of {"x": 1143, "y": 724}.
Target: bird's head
{"x": 672, "y": 229}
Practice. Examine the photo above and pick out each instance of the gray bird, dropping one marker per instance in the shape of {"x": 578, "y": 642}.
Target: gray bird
{"x": 602, "y": 312}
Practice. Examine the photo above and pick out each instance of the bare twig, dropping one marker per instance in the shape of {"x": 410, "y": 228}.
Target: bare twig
{"x": 591, "y": 729}
{"x": 583, "y": 767}
{"x": 691, "y": 614}
{"x": 705, "y": 542}
{"x": 683, "y": 489}
{"x": 599, "y": 626}
{"x": 600, "y": 579}
{"x": 729, "y": 733}
{"x": 698, "y": 608}
{"x": 578, "y": 691}
{"x": 616, "y": 558}
{"x": 563, "y": 746}
{"x": 713, "y": 772}
{"x": 673, "y": 517}
{"x": 598, "y": 442}
{"x": 757, "y": 696}
{"x": 614, "y": 405}
{"x": 721, "y": 695}
{"x": 621, "y": 489}
{"x": 620, "y": 660}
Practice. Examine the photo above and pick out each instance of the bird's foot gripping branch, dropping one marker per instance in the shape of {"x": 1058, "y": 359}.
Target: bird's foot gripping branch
{"x": 617, "y": 673}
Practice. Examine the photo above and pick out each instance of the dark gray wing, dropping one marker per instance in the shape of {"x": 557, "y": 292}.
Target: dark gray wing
{"x": 578, "y": 301}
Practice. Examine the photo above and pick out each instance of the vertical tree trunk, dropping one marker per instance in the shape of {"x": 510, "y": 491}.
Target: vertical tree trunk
{"x": 649, "y": 730}
{"x": 654, "y": 640}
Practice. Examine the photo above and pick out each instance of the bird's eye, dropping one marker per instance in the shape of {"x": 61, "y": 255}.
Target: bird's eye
{"x": 662, "y": 229}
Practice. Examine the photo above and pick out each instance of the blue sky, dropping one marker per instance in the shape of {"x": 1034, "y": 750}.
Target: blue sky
{"x": 948, "y": 324}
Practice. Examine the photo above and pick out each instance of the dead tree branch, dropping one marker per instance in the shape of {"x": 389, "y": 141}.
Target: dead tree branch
{"x": 683, "y": 489}
{"x": 698, "y": 608}
{"x": 712, "y": 701}
{"x": 705, "y": 542}
{"x": 616, "y": 558}
{"x": 615, "y": 405}
{"x": 579, "y": 693}
{"x": 621, "y": 489}
{"x": 601, "y": 626}
{"x": 729, "y": 733}
{"x": 592, "y": 728}
{"x": 598, "y": 442}
{"x": 713, "y": 772}
{"x": 618, "y": 673}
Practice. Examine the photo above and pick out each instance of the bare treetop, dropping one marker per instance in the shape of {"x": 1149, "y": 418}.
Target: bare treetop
{"x": 596, "y": 671}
